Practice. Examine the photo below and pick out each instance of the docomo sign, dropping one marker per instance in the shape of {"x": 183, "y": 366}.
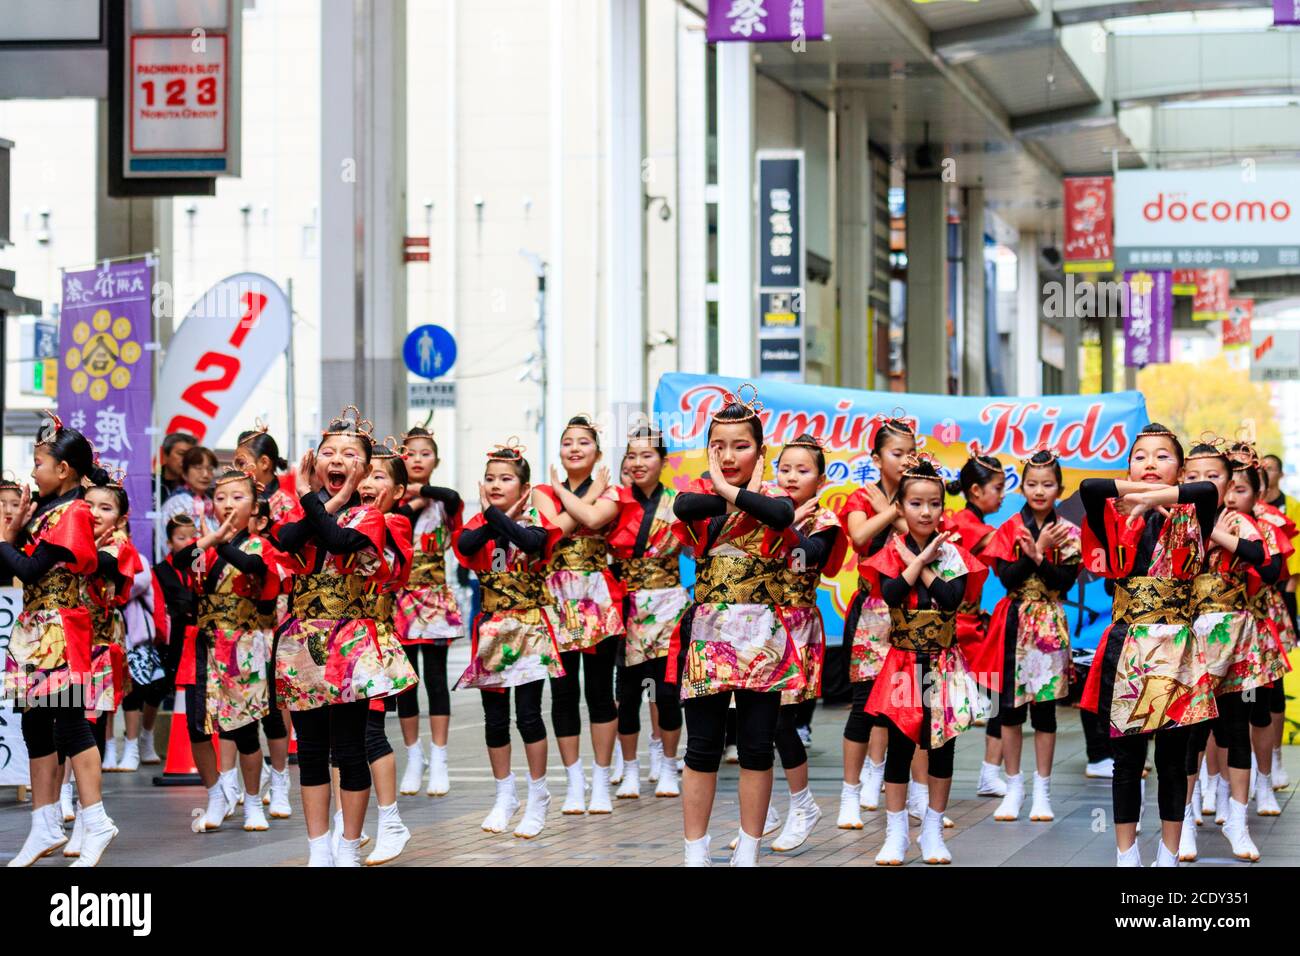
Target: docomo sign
{"x": 227, "y": 342}
{"x": 1220, "y": 210}
{"x": 1208, "y": 217}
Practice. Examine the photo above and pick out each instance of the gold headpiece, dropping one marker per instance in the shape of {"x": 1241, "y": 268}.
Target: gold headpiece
{"x": 752, "y": 407}
{"x": 811, "y": 441}
{"x": 51, "y": 425}
{"x": 354, "y": 426}
{"x": 389, "y": 448}
{"x": 640, "y": 426}
{"x": 912, "y": 463}
{"x": 896, "y": 423}
{"x": 1043, "y": 446}
{"x": 8, "y": 480}
{"x": 510, "y": 451}
{"x": 1215, "y": 442}
{"x": 1243, "y": 456}
{"x": 234, "y": 475}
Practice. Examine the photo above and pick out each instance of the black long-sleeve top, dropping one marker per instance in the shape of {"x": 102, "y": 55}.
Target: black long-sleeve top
{"x": 1095, "y": 492}
{"x": 775, "y": 512}
{"x": 1055, "y": 577}
{"x": 817, "y": 548}
{"x": 498, "y": 527}
{"x": 31, "y": 568}
{"x": 448, "y": 497}
{"x": 322, "y": 526}
{"x": 943, "y": 595}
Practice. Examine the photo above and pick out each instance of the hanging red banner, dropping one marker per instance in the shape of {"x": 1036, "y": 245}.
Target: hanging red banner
{"x": 1089, "y": 224}
{"x": 1184, "y": 282}
{"x": 1236, "y": 324}
{"x": 1210, "y": 303}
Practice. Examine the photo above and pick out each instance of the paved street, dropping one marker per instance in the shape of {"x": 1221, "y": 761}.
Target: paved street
{"x": 154, "y": 821}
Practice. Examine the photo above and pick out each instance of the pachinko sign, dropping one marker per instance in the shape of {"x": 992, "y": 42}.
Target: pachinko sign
{"x": 1090, "y": 433}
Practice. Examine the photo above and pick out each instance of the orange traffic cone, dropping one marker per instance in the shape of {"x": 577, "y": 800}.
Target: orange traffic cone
{"x": 179, "y": 771}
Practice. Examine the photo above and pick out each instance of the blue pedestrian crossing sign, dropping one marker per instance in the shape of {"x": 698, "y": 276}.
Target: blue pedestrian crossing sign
{"x": 429, "y": 351}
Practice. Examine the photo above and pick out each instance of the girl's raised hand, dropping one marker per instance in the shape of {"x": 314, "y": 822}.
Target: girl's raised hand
{"x": 760, "y": 468}
{"x": 518, "y": 507}
{"x": 599, "y": 481}
{"x": 555, "y": 478}
{"x": 715, "y": 470}
{"x": 307, "y": 472}
{"x": 805, "y": 511}
{"x": 931, "y": 550}
{"x": 876, "y": 497}
{"x": 483, "y": 502}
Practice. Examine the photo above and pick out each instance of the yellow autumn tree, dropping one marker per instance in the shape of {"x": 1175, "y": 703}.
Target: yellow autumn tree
{"x": 1192, "y": 398}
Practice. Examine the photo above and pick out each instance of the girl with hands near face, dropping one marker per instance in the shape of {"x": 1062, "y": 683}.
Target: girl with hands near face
{"x": 732, "y": 642}
{"x": 923, "y": 576}
{"x": 870, "y": 516}
{"x": 588, "y": 601}
{"x": 1035, "y": 554}
{"x": 1151, "y": 553}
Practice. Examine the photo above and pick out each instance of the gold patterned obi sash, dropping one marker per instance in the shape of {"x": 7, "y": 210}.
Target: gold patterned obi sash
{"x": 1260, "y": 603}
{"x": 800, "y": 587}
{"x": 382, "y": 607}
{"x": 1142, "y": 600}
{"x": 1033, "y": 591}
{"x": 740, "y": 579}
{"x": 1218, "y": 594}
{"x": 923, "y": 632}
{"x": 329, "y": 597}
{"x": 229, "y": 611}
{"x": 428, "y": 569}
{"x": 586, "y": 553}
{"x": 511, "y": 591}
{"x": 650, "y": 574}
{"x": 58, "y": 589}
{"x": 969, "y": 607}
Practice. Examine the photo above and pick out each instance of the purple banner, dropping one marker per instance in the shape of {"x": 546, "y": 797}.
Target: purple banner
{"x": 1148, "y": 318}
{"x": 765, "y": 21}
{"x": 105, "y": 380}
{"x": 1286, "y": 13}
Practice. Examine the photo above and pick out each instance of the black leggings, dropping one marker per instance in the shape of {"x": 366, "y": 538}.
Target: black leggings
{"x": 1267, "y": 701}
{"x": 528, "y": 714}
{"x": 1041, "y": 714}
{"x": 788, "y": 743}
{"x": 245, "y": 738}
{"x": 334, "y": 732}
{"x": 1171, "y": 774}
{"x": 434, "y": 678}
{"x": 757, "y": 713}
{"x": 1231, "y": 732}
{"x": 147, "y": 695}
{"x": 273, "y": 724}
{"x": 631, "y": 686}
{"x": 898, "y": 759}
{"x": 858, "y": 727}
{"x": 597, "y": 670}
{"x": 61, "y": 730}
{"x": 1095, "y": 737}
{"x": 377, "y": 745}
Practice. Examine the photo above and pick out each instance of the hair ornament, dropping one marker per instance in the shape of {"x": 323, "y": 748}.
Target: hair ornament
{"x": 1042, "y": 447}
{"x": 510, "y": 451}
{"x": 752, "y": 406}
{"x": 912, "y": 464}
{"x": 353, "y": 425}
{"x": 389, "y": 448}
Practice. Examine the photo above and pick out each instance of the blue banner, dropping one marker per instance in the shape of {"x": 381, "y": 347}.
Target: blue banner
{"x": 1090, "y": 433}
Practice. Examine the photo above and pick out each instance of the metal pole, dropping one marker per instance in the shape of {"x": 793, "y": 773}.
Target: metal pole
{"x": 292, "y": 397}
{"x": 541, "y": 353}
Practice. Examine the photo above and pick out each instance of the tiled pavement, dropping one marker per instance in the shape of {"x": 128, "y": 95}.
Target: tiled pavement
{"x": 154, "y": 821}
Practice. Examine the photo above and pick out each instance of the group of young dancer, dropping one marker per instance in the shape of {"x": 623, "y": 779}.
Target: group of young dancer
{"x": 326, "y": 594}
